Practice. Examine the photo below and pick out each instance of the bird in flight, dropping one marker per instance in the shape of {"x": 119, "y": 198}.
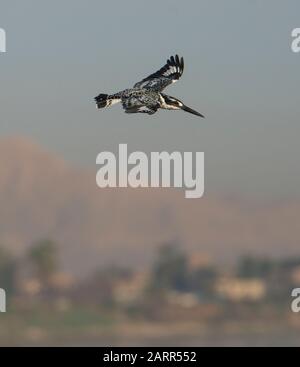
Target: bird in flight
{"x": 146, "y": 96}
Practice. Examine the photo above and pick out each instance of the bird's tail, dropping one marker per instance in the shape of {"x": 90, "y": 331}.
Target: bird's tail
{"x": 106, "y": 100}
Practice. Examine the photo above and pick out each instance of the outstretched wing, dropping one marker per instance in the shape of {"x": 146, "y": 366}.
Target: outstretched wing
{"x": 135, "y": 105}
{"x": 165, "y": 76}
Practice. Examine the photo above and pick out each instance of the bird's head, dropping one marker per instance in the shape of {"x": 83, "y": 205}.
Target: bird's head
{"x": 172, "y": 103}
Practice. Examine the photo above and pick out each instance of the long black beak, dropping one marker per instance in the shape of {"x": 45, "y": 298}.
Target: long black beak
{"x": 187, "y": 109}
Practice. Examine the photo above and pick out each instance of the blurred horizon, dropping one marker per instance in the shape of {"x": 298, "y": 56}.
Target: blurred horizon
{"x": 180, "y": 298}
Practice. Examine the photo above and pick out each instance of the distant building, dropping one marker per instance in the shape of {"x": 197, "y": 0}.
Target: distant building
{"x": 130, "y": 290}
{"x": 61, "y": 281}
{"x": 31, "y": 287}
{"x": 237, "y": 289}
{"x": 186, "y": 307}
{"x": 185, "y": 300}
{"x": 58, "y": 282}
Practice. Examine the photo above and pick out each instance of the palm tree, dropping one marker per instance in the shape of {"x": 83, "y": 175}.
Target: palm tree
{"x": 43, "y": 256}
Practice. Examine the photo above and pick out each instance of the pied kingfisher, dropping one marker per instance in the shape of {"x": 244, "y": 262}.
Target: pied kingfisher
{"x": 146, "y": 96}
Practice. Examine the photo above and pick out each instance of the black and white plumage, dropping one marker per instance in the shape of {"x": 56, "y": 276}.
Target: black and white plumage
{"x": 146, "y": 96}
{"x": 165, "y": 76}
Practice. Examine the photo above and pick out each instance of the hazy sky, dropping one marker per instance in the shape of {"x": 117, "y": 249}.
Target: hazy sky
{"x": 240, "y": 73}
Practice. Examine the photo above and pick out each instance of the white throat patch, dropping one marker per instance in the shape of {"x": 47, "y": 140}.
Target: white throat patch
{"x": 165, "y": 106}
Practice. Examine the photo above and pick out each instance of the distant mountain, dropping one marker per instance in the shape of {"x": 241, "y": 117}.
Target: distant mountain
{"x": 41, "y": 196}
